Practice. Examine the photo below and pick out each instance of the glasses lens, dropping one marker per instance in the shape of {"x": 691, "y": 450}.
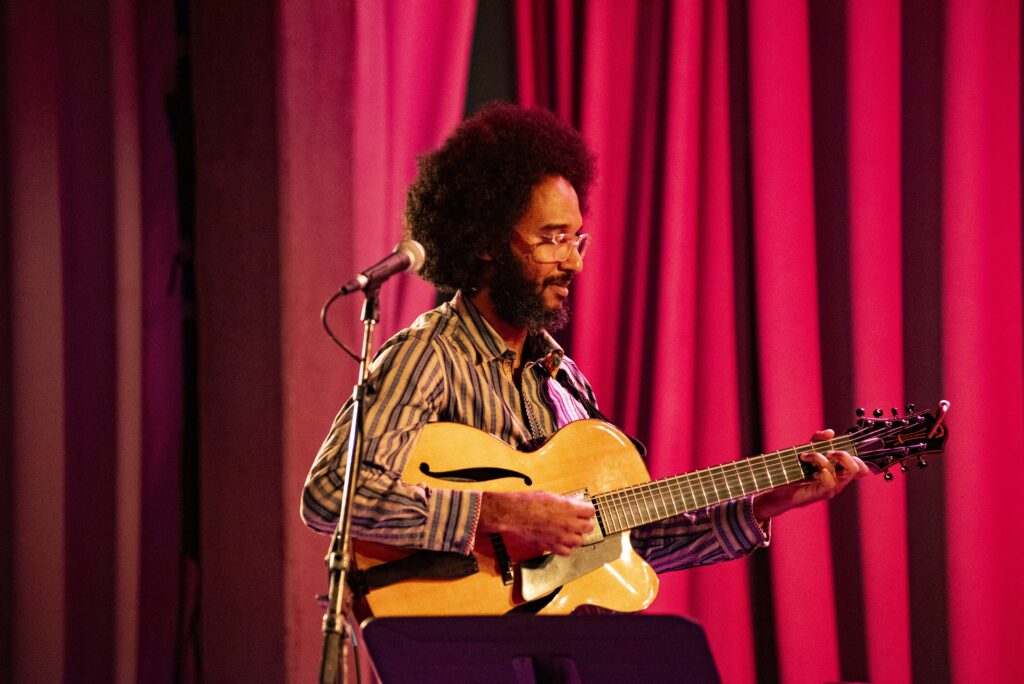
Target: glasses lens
{"x": 553, "y": 252}
{"x": 579, "y": 242}
{"x": 583, "y": 244}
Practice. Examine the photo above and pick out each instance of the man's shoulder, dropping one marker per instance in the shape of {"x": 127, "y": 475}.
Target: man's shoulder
{"x": 434, "y": 328}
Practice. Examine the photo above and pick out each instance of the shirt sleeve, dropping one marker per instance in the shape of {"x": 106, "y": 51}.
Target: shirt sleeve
{"x": 722, "y": 532}
{"x": 407, "y": 389}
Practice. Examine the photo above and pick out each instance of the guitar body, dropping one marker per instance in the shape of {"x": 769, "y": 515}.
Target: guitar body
{"x": 587, "y": 457}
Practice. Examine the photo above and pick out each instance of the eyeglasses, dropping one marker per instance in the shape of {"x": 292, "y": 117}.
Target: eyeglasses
{"x": 558, "y": 248}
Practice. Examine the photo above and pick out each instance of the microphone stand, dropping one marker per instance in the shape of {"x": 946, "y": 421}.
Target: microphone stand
{"x": 335, "y": 627}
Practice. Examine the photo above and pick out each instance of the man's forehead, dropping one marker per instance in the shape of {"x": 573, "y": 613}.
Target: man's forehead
{"x": 555, "y": 185}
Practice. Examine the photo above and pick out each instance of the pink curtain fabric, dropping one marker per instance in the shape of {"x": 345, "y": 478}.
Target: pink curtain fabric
{"x": 981, "y": 325}
{"x": 308, "y": 118}
{"x": 873, "y": 67}
{"x": 409, "y": 94}
{"x": 800, "y": 210}
{"x": 90, "y": 227}
{"x": 754, "y": 273}
{"x": 349, "y": 153}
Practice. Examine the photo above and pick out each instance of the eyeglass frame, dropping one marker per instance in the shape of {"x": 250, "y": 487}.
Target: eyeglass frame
{"x": 579, "y": 242}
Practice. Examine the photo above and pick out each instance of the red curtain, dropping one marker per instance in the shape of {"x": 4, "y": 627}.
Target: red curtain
{"x": 307, "y": 120}
{"x": 360, "y": 100}
{"x": 981, "y": 326}
{"x": 803, "y": 208}
{"x": 800, "y": 210}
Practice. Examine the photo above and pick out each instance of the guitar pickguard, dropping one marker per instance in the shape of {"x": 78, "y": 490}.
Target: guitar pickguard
{"x": 541, "y": 576}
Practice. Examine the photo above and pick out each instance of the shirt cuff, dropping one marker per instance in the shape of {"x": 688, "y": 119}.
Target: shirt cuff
{"x": 452, "y": 517}
{"x": 736, "y": 529}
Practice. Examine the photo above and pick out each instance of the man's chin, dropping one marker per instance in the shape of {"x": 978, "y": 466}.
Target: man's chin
{"x": 557, "y": 317}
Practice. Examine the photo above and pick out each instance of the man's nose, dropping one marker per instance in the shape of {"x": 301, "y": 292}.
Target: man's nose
{"x": 573, "y": 263}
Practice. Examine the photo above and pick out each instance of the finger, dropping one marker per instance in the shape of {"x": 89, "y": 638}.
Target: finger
{"x": 579, "y": 526}
{"x": 816, "y": 459}
{"x": 862, "y": 467}
{"x": 852, "y": 467}
{"x": 822, "y": 435}
{"x": 826, "y": 475}
{"x": 584, "y": 509}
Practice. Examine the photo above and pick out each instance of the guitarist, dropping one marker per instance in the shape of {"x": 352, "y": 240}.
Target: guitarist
{"x": 499, "y": 208}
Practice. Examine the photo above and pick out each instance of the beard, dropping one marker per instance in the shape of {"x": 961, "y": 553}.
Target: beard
{"x": 518, "y": 300}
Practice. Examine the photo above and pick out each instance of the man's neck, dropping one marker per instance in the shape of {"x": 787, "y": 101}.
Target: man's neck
{"x": 514, "y": 337}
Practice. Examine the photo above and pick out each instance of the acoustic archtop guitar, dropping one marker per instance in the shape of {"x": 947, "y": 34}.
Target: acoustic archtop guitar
{"x": 593, "y": 460}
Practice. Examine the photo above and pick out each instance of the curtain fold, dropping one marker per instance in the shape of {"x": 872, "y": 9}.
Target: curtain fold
{"x": 810, "y": 154}
{"x": 359, "y": 101}
{"x": 408, "y": 95}
{"x": 875, "y": 238}
{"x": 981, "y": 319}
{"x": 96, "y": 351}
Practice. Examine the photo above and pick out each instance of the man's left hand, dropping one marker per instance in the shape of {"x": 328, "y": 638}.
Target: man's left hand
{"x": 826, "y": 484}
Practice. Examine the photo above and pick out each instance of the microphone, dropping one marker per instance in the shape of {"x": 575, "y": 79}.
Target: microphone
{"x": 408, "y": 255}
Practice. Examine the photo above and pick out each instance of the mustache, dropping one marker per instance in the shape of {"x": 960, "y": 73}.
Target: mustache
{"x": 562, "y": 280}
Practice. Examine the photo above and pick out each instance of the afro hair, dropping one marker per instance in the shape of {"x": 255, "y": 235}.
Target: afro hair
{"x": 470, "y": 193}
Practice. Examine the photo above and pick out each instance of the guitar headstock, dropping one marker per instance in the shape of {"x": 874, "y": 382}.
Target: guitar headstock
{"x": 883, "y": 442}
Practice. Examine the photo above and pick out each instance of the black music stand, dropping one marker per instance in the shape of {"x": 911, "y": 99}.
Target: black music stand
{"x": 528, "y": 649}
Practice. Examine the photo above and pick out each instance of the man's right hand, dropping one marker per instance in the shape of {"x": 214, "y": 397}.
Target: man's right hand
{"x": 532, "y": 523}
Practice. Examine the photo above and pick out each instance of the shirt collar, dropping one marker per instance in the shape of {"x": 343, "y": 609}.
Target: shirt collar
{"x": 540, "y": 347}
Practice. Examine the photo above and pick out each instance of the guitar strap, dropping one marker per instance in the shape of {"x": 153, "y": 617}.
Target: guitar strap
{"x": 563, "y": 379}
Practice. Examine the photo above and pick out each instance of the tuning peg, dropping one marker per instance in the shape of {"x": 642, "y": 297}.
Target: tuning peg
{"x": 860, "y": 412}
{"x": 910, "y": 408}
{"x": 879, "y": 413}
{"x": 921, "y": 463}
{"x": 903, "y": 466}
{"x": 895, "y": 412}
{"x": 888, "y": 476}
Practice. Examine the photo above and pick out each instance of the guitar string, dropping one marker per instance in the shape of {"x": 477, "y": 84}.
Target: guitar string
{"x": 625, "y": 503}
{"x": 628, "y": 509}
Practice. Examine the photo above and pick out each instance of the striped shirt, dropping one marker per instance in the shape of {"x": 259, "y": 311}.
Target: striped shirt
{"x": 451, "y": 365}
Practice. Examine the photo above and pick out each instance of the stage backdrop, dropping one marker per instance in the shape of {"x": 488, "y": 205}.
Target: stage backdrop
{"x": 802, "y": 208}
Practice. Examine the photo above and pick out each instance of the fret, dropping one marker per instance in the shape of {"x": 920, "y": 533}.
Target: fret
{"x": 764, "y": 480}
{"x": 703, "y": 493}
{"x": 643, "y": 514}
{"x": 737, "y": 489}
{"x": 613, "y": 513}
{"x": 725, "y": 478}
{"x": 778, "y": 468}
{"x": 737, "y": 479}
{"x": 750, "y": 478}
{"x": 620, "y": 509}
{"x": 668, "y": 508}
{"x": 767, "y": 471}
{"x": 628, "y": 509}
{"x": 693, "y": 494}
{"x": 732, "y": 482}
{"x": 714, "y": 482}
{"x": 676, "y": 494}
{"x": 794, "y": 471}
{"x": 649, "y": 501}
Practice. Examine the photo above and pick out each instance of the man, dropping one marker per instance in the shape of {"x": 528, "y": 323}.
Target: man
{"x": 499, "y": 208}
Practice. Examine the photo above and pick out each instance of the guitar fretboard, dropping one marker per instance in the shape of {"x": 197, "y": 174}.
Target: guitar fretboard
{"x": 629, "y": 507}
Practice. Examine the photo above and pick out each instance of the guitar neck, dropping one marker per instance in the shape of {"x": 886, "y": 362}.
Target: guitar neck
{"x": 629, "y": 507}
